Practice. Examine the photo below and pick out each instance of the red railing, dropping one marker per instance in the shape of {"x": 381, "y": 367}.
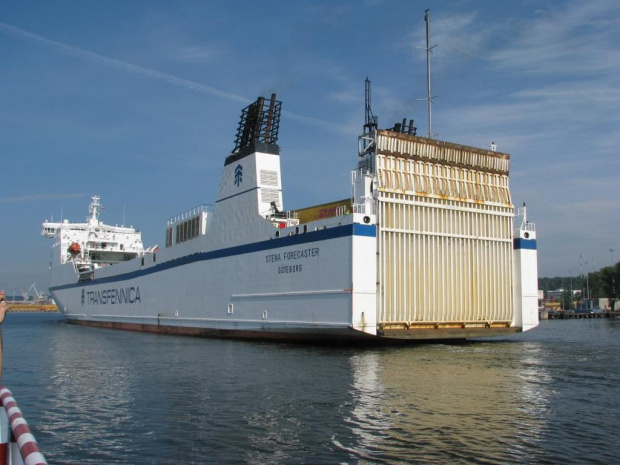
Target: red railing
{"x": 22, "y": 449}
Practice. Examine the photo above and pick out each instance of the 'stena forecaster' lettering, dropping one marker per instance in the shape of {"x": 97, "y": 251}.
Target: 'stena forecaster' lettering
{"x": 291, "y": 256}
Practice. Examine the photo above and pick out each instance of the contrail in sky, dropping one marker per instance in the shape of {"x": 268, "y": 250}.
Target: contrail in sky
{"x": 139, "y": 70}
{"x": 123, "y": 66}
{"x": 37, "y": 197}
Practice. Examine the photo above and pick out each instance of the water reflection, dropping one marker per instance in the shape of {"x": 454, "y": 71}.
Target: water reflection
{"x": 368, "y": 422}
{"x": 91, "y": 379}
{"x": 458, "y": 403}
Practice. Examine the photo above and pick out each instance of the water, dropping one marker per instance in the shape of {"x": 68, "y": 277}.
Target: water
{"x": 95, "y": 396}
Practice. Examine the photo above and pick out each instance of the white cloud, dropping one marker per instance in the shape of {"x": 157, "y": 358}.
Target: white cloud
{"x": 345, "y": 97}
{"x": 194, "y": 54}
{"x": 457, "y": 38}
{"x": 581, "y": 40}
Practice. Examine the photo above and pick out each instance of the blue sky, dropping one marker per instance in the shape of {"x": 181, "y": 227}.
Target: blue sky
{"x": 139, "y": 102}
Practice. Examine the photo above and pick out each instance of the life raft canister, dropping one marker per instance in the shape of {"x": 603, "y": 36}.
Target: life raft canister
{"x": 74, "y": 248}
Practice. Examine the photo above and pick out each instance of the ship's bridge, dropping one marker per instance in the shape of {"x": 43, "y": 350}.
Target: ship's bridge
{"x": 49, "y": 229}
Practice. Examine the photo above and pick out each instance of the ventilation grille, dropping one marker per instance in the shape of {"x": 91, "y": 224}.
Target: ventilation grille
{"x": 270, "y": 195}
{"x": 269, "y": 178}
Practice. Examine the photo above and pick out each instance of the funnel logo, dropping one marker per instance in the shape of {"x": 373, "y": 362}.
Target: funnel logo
{"x": 238, "y": 175}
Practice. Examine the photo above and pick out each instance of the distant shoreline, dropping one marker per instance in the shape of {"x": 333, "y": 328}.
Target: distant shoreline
{"x": 32, "y": 307}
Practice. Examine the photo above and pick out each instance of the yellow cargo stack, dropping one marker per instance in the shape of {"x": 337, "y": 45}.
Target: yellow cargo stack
{"x": 325, "y": 210}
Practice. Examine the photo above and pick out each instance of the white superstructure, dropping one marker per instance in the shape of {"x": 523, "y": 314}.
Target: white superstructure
{"x": 92, "y": 244}
{"x": 424, "y": 249}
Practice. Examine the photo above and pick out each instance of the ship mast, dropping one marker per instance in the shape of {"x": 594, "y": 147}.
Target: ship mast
{"x": 429, "y": 50}
{"x": 371, "y": 123}
{"x": 94, "y": 209}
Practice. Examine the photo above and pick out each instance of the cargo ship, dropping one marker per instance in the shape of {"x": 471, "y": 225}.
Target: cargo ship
{"x": 428, "y": 247}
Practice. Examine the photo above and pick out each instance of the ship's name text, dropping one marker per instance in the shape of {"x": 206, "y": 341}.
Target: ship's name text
{"x": 127, "y": 295}
{"x": 292, "y": 255}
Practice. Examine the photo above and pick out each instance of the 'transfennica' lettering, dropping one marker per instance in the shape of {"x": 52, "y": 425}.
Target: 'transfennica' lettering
{"x": 128, "y": 295}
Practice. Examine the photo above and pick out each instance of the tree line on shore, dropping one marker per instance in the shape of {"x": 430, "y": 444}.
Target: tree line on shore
{"x": 604, "y": 283}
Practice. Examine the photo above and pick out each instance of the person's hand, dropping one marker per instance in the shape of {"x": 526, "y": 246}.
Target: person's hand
{"x": 3, "y": 306}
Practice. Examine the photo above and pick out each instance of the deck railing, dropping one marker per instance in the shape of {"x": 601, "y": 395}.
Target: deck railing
{"x": 17, "y": 444}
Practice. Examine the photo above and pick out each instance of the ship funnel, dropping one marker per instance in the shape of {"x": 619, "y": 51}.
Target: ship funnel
{"x": 258, "y": 128}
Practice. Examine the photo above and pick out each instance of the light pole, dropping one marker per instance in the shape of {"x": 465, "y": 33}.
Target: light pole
{"x": 613, "y": 280}
{"x": 570, "y": 299}
{"x": 587, "y": 282}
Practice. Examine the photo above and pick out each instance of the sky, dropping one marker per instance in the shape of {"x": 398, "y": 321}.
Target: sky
{"x": 139, "y": 102}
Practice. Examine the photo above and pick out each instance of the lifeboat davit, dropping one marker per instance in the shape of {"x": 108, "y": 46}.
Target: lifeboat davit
{"x": 74, "y": 248}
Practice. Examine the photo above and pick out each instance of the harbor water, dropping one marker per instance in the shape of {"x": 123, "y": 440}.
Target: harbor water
{"x": 97, "y": 396}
